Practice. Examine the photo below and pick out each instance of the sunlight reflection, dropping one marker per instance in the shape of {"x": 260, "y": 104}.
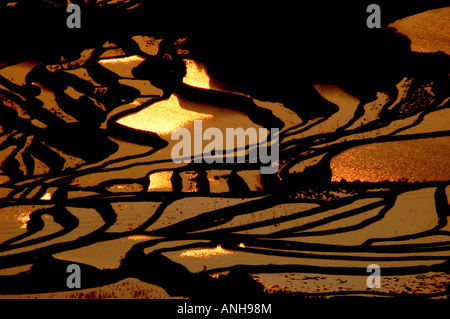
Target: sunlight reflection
{"x": 206, "y": 252}
{"x": 47, "y": 196}
{"x": 139, "y": 237}
{"x": 122, "y": 66}
{"x": 160, "y": 181}
{"x": 24, "y": 218}
{"x": 163, "y": 117}
{"x": 196, "y": 74}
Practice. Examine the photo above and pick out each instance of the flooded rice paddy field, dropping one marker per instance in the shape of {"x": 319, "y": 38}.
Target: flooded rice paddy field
{"x": 89, "y": 179}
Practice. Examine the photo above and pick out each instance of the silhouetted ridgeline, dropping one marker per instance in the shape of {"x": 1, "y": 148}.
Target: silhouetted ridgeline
{"x": 273, "y": 51}
{"x": 38, "y": 28}
{"x": 276, "y": 52}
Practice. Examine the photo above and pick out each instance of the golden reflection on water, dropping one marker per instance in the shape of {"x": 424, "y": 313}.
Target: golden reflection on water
{"x": 166, "y": 116}
{"x": 163, "y": 117}
{"x": 122, "y": 66}
{"x": 196, "y": 74}
{"x": 47, "y": 196}
{"x": 206, "y": 252}
{"x": 160, "y": 181}
{"x": 138, "y": 237}
{"x": 24, "y": 218}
